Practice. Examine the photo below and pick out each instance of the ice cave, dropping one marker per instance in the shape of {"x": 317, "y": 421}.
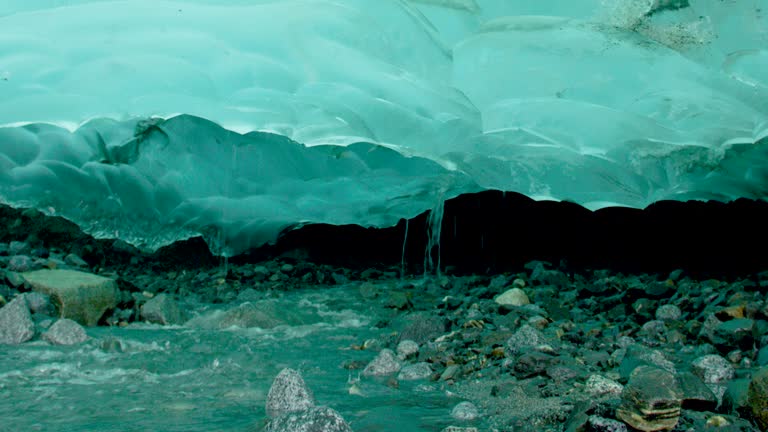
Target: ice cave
{"x": 231, "y": 175}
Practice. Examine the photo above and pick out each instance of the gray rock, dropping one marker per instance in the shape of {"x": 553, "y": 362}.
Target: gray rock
{"x": 715, "y": 371}
{"x": 16, "y": 325}
{"x": 735, "y": 398}
{"x": 465, "y": 411}
{"x": 598, "y": 385}
{"x": 20, "y": 263}
{"x": 288, "y": 394}
{"x": 524, "y": 338}
{"x": 416, "y": 371}
{"x": 65, "y": 332}
{"x": 651, "y": 400}
{"x": 162, "y": 309}
{"x": 422, "y": 328}
{"x": 602, "y": 424}
{"x": 39, "y": 303}
{"x": 459, "y": 429}
{"x": 384, "y": 364}
{"x": 79, "y": 296}
{"x": 407, "y": 349}
{"x": 668, "y": 312}
{"x": 318, "y": 419}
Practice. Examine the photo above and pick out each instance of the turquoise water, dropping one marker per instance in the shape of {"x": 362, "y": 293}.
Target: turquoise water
{"x": 195, "y": 378}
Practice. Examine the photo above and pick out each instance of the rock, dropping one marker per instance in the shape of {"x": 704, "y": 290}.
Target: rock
{"x": 397, "y": 300}
{"x": 16, "y": 325}
{"x": 288, "y": 394}
{"x": 513, "y": 297}
{"x": 162, "y": 309}
{"x": 668, "y": 313}
{"x": 75, "y": 261}
{"x": 734, "y": 334}
{"x": 651, "y": 400}
{"x": 602, "y": 424}
{"x": 20, "y": 263}
{"x": 416, "y": 371}
{"x": 598, "y": 385}
{"x": 317, "y": 419}
{"x": 465, "y": 411}
{"x": 695, "y": 393}
{"x": 18, "y": 248}
{"x": 533, "y": 363}
{"x": 407, "y": 349}
{"x": 715, "y": 371}
{"x": 65, "y": 332}
{"x": 525, "y": 337}
{"x": 39, "y": 303}
{"x": 736, "y": 398}
{"x": 423, "y": 327}
{"x": 286, "y": 268}
{"x": 450, "y": 373}
{"x": 459, "y": 429}
{"x": 79, "y": 296}
{"x": 384, "y": 364}
{"x": 757, "y": 398}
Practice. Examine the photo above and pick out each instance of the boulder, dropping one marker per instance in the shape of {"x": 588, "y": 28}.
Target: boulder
{"x": 79, "y": 296}
{"x": 16, "y": 325}
{"x": 65, "y": 332}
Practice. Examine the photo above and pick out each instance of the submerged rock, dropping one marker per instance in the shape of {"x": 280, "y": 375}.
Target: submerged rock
{"x": 417, "y": 371}
{"x": 651, "y": 400}
{"x": 65, "y": 332}
{"x": 289, "y": 393}
{"x": 465, "y": 411}
{"x": 16, "y": 325}
{"x": 79, "y": 296}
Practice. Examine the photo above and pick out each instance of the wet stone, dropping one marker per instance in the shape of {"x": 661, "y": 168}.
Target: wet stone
{"x": 668, "y": 312}
{"x": 289, "y": 393}
{"x": 316, "y": 419}
{"x": 65, "y": 332}
{"x": 513, "y": 297}
{"x": 524, "y": 338}
{"x": 465, "y": 411}
{"x": 715, "y": 371}
{"x": 598, "y": 385}
{"x": 16, "y": 325}
{"x": 407, "y": 349}
{"x": 417, "y": 371}
{"x": 162, "y": 309}
{"x": 602, "y": 424}
{"x": 696, "y": 395}
{"x": 384, "y": 364}
{"x": 651, "y": 400}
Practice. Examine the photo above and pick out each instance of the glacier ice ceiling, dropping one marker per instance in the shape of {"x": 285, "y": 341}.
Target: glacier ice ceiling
{"x": 154, "y": 121}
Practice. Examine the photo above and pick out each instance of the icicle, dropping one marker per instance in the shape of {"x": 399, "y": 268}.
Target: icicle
{"x": 434, "y": 226}
{"x": 402, "y": 257}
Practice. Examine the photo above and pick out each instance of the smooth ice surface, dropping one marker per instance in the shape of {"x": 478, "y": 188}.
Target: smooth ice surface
{"x": 153, "y": 121}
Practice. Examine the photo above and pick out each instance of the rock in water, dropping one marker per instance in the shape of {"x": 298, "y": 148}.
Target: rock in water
{"x": 162, "y": 309}
{"x": 79, "y": 296}
{"x": 757, "y": 398}
{"x": 651, "y": 400}
{"x": 16, "y": 325}
{"x": 288, "y": 394}
{"x": 318, "y": 419}
{"x": 384, "y": 364}
{"x": 65, "y": 332}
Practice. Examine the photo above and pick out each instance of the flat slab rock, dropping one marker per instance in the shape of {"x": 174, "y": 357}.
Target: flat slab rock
{"x": 79, "y": 296}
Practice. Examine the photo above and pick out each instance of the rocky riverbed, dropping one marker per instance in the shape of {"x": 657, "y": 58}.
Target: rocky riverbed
{"x": 545, "y": 349}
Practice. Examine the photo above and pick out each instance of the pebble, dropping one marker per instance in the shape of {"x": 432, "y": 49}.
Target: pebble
{"x": 416, "y": 371}
{"x": 668, "y": 312}
{"x": 598, "y": 385}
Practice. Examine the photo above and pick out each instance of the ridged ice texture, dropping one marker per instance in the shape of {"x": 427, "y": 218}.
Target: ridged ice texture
{"x": 620, "y": 102}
